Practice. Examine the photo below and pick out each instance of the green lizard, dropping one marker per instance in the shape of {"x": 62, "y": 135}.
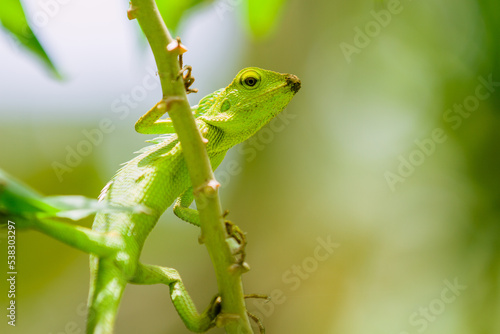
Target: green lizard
{"x": 154, "y": 180}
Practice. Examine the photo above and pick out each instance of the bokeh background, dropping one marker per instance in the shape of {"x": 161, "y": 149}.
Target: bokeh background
{"x": 390, "y": 152}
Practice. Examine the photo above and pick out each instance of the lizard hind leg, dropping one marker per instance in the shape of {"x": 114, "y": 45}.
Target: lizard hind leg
{"x": 184, "y": 305}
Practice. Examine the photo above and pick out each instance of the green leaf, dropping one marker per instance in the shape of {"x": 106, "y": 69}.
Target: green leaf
{"x": 13, "y": 19}
{"x": 172, "y": 11}
{"x": 17, "y": 198}
{"x": 79, "y": 207}
{"x": 263, "y": 15}
{"x": 18, "y": 201}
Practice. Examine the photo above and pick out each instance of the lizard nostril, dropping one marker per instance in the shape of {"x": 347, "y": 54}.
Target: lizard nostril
{"x": 294, "y": 82}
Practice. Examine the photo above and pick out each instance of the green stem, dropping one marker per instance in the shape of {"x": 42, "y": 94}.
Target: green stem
{"x": 198, "y": 163}
{"x": 82, "y": 238}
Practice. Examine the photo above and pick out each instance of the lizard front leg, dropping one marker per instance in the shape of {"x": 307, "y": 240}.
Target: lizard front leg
{"x": 150, "y": 122}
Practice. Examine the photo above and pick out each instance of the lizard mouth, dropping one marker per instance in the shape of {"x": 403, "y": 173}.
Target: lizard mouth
{"x": 293, "y": 82}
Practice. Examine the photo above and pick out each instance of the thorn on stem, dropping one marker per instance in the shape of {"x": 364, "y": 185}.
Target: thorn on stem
{"x": 176, "y": 45}
{"x": 239, "y": 268}
{"x": 131, "y": 12}
{"x": 208, "y": 189}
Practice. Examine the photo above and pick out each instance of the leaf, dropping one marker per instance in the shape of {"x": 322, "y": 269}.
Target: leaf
{"x": 79, "y": 207}
{"x": 263, "y": 15}
{"x": 13, "y": 19}
{"x": 172, "y": 11}
{"x": 17, "y": 198}
{"x": 18, "y": 201}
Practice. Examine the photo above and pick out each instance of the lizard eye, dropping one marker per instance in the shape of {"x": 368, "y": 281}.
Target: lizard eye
{"x": 250, "y": 79}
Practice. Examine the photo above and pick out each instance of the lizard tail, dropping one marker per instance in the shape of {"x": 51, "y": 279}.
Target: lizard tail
{"x": 106, "y": 289}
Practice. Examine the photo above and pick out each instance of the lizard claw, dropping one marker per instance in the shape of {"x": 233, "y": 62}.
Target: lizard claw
{"x": 238, "y": 242}
{"x": 187, "y": 77}
{"x": 214, "y": 308}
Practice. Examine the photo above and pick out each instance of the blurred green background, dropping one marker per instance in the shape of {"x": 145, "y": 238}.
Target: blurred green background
{"x": 390, "y": 151}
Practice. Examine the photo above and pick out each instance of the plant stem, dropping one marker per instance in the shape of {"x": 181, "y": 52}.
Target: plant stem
{"x": 198, "y": 163}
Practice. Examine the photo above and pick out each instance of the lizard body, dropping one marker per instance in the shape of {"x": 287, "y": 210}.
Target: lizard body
{"x": 159, "y": 175}
{"x": 153, "y": 180}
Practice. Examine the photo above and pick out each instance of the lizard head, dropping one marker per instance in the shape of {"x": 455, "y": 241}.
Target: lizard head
{"x": 252, "y": 99}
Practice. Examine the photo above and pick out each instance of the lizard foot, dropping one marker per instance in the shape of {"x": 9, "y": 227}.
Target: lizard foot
{"x": 185, "y": 73}
{"x": 187, "y": 77}
{"x": 214, "y": 308}
{"x": 240, "y": 241}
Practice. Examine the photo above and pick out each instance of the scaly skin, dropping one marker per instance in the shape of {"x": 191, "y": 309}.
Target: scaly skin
{"x": 158, "y": 176}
